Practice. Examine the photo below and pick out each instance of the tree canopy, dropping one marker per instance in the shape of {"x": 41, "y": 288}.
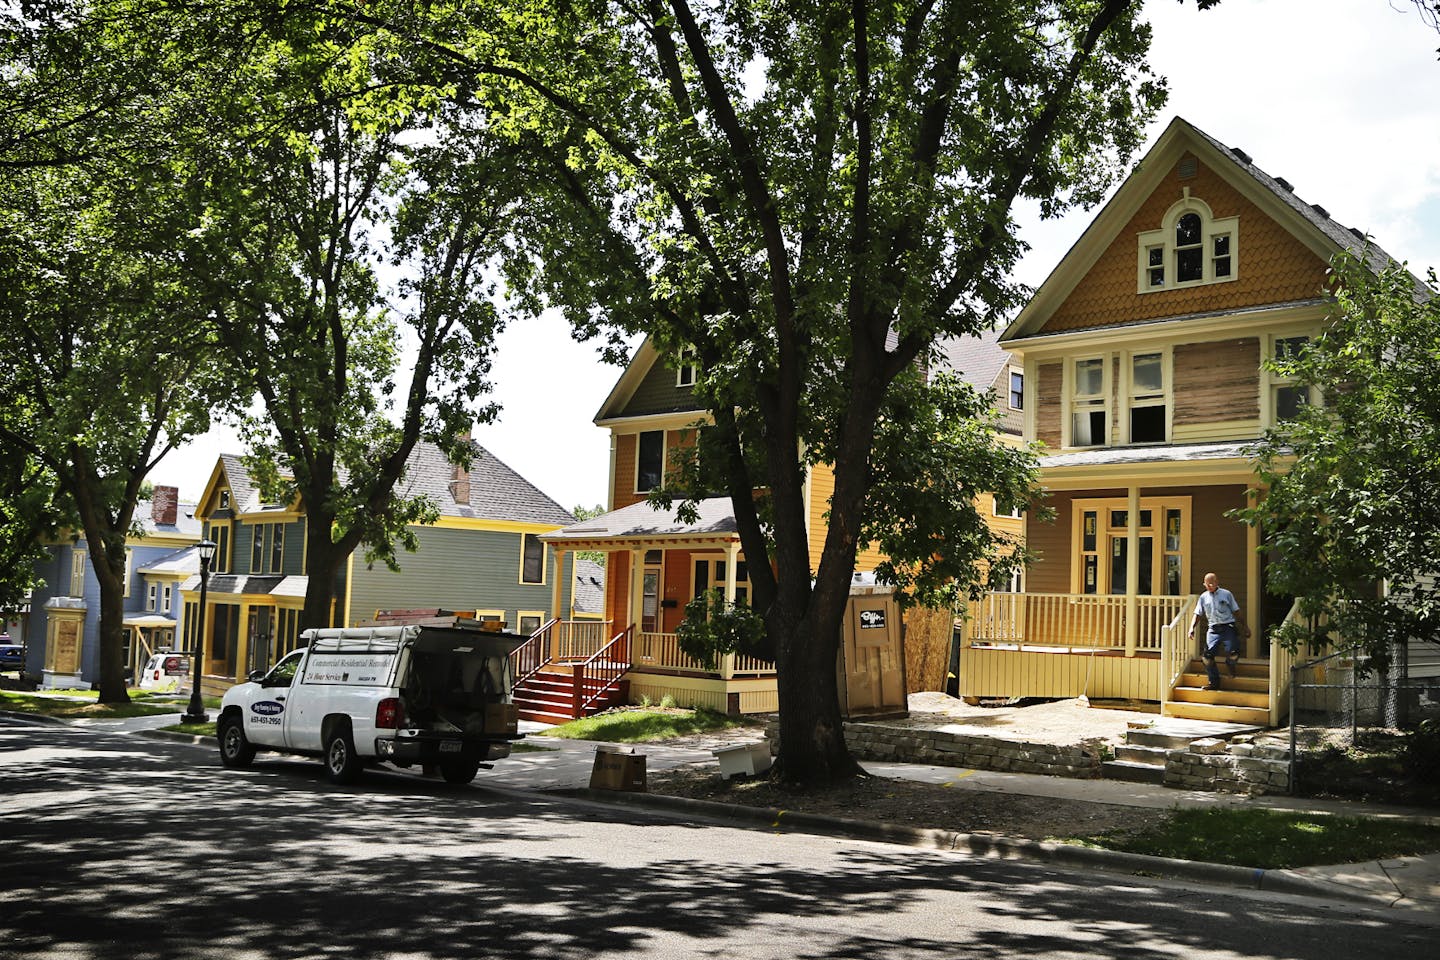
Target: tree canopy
{"x": 1351, "y": 516}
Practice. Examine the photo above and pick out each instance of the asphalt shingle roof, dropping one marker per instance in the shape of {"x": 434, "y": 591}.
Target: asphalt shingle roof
{"x": 716, "y": 516}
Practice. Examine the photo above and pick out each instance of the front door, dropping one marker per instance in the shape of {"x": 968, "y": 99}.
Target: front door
{"x": 260, "y": 633}
{"x": 1162, "y": 542}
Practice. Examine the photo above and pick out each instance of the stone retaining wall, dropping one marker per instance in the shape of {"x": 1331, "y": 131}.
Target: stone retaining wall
{"x": 1239, "y": 766}
{"x": 877, "y": 741}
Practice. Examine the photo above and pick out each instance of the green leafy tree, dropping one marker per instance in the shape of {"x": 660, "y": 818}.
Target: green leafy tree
{"x": 1351, "y": 516}
{"x": 351, "y": 215}
{"x": 807, "y": 196}
{"x": 31, "y": 514}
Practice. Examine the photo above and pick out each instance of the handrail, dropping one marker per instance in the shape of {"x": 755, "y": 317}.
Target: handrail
{"x": 605, "y": 667}
{"x": 1177, "y": 648}
{"x": 531, "y": 656}
{"x": 1282, "y": 663}
{"x": 1069, "y": 620}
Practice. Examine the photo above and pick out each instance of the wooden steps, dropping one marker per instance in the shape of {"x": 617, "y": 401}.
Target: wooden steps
{"x": 549, "y": 696}
{"x": 1244, "y": 698}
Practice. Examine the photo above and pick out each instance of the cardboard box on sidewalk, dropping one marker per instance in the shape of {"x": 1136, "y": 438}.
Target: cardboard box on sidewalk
{"x": 618, "y": 769}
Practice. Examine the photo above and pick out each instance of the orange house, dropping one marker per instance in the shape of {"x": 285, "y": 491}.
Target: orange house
{"x": 656, "y": 564}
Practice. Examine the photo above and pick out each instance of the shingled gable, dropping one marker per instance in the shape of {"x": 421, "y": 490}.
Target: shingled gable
{"x": 647, "y": 388}
{"x": 1306, "y": 228}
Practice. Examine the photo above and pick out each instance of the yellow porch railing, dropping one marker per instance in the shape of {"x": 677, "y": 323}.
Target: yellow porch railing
{"x": 1075, "y": 620}
{"x": 1282, "y": 662}
{"x": 1177, "y": 648}
{"x": 662, "y": 651}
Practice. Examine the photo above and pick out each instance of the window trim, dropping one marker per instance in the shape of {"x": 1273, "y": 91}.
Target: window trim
{"x": 520, "y": 575}
{"x": 639, "y": 443}
{"x": 1016, "y": 513}
{"x": 685, "y": 364}
{"x": 78, "y": 558}
{"x": 520, "y": 616}
{"x": 1271, "y": 383}
{"x": 483, "y": 615}
{"x": 1101, "y": 507}
{"x": 1069, "y": 404}
{"x": 1163, "y": 238}
{"x": 1014, "y": 372}
{"x": 152, "y": 596}
{"x": 1166, "y": 395}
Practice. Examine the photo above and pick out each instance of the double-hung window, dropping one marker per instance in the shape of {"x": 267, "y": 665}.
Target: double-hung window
{"x": 1148, "y": 407}
{"x": 650, "y": 460}
{"x": 532, "y": 559}
{"x": 1287, "y": 396}
{"x": 1087, "y": 403}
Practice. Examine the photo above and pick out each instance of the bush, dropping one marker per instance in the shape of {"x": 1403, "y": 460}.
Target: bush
{"x": 1422, "y": 751}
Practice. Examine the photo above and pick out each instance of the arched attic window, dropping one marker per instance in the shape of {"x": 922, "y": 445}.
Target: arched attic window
{"x": 1191, "y": 247}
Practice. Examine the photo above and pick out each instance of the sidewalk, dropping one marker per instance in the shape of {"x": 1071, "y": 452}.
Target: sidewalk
{"x": 1410, "y": 882}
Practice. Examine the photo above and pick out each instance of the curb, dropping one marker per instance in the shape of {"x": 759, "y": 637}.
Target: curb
{"x": 39, "y": 717}
{"x": 980, "y": 845}
{"x": 195, "y": 739}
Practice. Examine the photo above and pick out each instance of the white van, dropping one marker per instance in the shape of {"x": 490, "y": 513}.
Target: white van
{"x": 436, "y": 694}
{"x": 165, "y": 672}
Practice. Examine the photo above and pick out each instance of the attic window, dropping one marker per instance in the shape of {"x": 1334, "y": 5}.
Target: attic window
{"x": 685, "y": 368}
{"x": 1188, "y": 168}
{"x": 1191, "y": 247}
{"x": 224, "y": 499}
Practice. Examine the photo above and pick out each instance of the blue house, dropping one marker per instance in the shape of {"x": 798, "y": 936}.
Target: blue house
{"x": 63, "y": 630}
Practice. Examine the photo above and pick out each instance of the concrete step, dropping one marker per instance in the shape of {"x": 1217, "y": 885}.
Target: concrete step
{"x": 1132, "y": 772}
{"x": 1220, "y": 713}
{"x": 1157, "y": 739}
{"x": 1223, "y": 697}
{"x": 1136, "y": 753}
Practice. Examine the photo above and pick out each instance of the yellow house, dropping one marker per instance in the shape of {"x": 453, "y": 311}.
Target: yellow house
{"x": 1142, "y": 360}
{"x": 656, "y": 564}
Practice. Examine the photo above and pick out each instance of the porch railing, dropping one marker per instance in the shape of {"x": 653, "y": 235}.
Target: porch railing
{"x": 1083, "y": 620}
{"x": 600, "y": 673}
{"x": 579, "y": 639}
{"x": 1282, "y": 674}
{"x": 661, "y": 651}
{"x": 1177, "y": 649}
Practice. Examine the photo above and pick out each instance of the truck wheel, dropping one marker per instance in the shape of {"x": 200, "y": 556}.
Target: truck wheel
{"x": 342, "y": 765}
{"x": 459, "y": 771}
{"x": 235, "y": 750}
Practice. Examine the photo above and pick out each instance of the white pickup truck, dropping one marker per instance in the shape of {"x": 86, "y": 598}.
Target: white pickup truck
{"x": 436, "y": 693}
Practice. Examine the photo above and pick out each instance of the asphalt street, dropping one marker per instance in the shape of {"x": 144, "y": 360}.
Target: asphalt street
{"x": 117, "y": 846}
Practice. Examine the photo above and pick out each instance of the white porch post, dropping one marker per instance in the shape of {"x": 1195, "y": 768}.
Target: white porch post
{"x": 1253, "y": 586}
{"x": 1132, "y": 571}
{"x": 732, "y": 557}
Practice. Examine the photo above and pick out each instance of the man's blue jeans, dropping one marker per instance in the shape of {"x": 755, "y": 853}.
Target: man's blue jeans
{"x": 1220, "y": 636}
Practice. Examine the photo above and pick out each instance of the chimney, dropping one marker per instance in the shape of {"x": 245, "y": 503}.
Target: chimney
{"x": 460, "y": 477}
{"x": 162, "y": 505}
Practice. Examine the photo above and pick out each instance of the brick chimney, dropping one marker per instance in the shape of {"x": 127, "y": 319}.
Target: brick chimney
{"x": 162, "y": 505}
{"x": 460, "y": 477}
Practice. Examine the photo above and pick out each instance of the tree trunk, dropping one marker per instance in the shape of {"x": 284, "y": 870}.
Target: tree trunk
{"x": 111, "y": 577}
{"x": 323, "y": 559}
{"x": 812, "y": 735}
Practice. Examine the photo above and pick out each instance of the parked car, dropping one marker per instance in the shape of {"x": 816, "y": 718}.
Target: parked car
{"x": 165, "y": 672}
{"x": 12, "y": 656}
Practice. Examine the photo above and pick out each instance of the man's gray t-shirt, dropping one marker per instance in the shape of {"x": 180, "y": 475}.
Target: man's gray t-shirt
{"x": 1218, "y": 607}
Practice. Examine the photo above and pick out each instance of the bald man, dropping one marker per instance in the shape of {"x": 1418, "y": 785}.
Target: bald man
{"x": 1222, "y": 614}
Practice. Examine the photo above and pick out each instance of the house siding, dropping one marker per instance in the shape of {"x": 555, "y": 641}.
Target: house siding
{"x": 1272, "y": 266}
{"x": 1217, "y": 382}
{"x": 453, "y": 570}
{"x": 657, "y": 393}
{"x": 1049, "y": 380}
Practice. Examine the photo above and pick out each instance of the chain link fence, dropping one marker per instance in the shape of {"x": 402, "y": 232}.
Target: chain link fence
{"x": 1341, "y": 703}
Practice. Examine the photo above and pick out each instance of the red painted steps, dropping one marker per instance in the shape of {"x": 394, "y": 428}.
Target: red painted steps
{"x": 549, "y": 696}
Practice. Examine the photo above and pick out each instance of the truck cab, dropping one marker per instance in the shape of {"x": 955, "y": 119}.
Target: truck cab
{"x": 435, "y": 693}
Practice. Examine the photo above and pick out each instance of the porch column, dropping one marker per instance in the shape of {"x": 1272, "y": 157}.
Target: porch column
{"x": 557, "y": 609}
{"x": 637, "y": 590}
{"x": 732, "y": 558}
{"x": 1253, "y": 586}
{"x": 1132, "y": 571}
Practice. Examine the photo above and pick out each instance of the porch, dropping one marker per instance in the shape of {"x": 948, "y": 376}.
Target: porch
{"x": 1135, "y": 647}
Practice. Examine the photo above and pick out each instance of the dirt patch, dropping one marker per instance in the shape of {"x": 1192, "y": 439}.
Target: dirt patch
{"x": 915, "y": 804}
{"x": 1060, "y": 722}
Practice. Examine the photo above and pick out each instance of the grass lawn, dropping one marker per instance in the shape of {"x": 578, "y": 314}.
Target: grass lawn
{"x": 1274, "y": 840}
{"x": 82, "y": 703}
{"x": 644, "y": 725}
{"x": 198, "y": 729}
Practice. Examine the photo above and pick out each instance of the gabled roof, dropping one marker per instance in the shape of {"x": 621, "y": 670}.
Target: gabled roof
{"x": 185, "y": 524}
{"x": 497, "y": 492}
{"x": 1309, "y": 223}
{"x": 589, "y": 595}
{"x": 978, "y": 360}
{"x": 180, "y": 562}
{"x": 641, "y": 523}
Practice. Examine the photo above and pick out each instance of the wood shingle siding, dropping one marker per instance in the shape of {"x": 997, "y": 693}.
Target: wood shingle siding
{"x": 1272, "y": 265}
{"x": 626, "y": 445}
{"x": 657, "y": 393}
{"x": 1047, "y": 404}
{"x": 1217, "y": 382}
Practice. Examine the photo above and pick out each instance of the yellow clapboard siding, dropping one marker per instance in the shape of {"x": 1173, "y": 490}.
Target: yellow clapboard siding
{"x": 990, "y": 672}
{"x": 1220, "y": 430}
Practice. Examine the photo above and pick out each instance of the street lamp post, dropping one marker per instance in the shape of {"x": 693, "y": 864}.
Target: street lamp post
{"x": 196, "y": 712}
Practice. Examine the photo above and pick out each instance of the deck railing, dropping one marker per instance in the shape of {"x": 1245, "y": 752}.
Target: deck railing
{"x": 527, "y": 659}
{"x": 1082, "y": 620}
{"x": 662, "y": 651}
{"x": 1282, "y": 673}
{"x": 572, "y": 640}
{"x": 1177, "y": 649}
